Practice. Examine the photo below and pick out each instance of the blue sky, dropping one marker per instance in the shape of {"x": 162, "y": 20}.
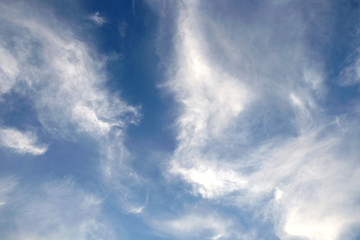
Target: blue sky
{"x": 186, "y": 119}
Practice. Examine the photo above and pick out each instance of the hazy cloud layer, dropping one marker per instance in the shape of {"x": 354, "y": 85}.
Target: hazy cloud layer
{"x": 56, "y": 210}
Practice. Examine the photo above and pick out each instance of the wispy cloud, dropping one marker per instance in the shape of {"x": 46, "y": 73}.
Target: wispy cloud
{"x": 64, "y": 80}
{"x": 8, "y": 69}
{"x": 122, "y": 27}
{"x": 251, "y": 127}
{"x": 97, "y": 19}
{"x": 255, "y": 142}
{"x": 21, "y": 142}
{"x": 7, "y": 186}
{"x": 65, "y": 83}
{"x": 49, "y": 212}
{"x": 196, "y": 224}
{"x": 350, "y": 74}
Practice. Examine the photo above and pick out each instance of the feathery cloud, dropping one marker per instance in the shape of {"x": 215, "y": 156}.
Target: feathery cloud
{"x": 251, "y": 128}
{"x": 64, "y": 80}
{"x": 49, "y": 212}
{"x": 97, "y": 19}
{"x": 23, "y": 143}
{"x": 196, "y": 224}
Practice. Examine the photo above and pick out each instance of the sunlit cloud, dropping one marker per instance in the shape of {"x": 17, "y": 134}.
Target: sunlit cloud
{"x": 228, "y": 82}
{"x": 23, "y": 143}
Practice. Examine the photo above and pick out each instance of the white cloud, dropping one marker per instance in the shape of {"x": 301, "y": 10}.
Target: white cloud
{"x": 193, "y": 224}
{"x": 57, "y": 210}
{"x": 87, "y": 118}
{"x": 21, "y": 142}
{"x": 209, "y": 180}
{"x": 251, "y": 129}
{"x": 350, "y": 74}
{"x": 311, "y": 185}
{"x": 200, "y": 225}
{"x": 7, "y": 186}
{"x": 63, "y": 77}
{"x": 209, "y": 104}
{"x": 97, "y": 19}
{"x": 9, "y": 71}
{"x": 64, "y": 80}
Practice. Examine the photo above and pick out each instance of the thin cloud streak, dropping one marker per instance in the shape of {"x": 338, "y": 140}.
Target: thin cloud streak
{"x": 9, "y": 70}
{"x": 7, "y": 186}
{"x": 196, "y": 224}
{"x": 21, "y": 142}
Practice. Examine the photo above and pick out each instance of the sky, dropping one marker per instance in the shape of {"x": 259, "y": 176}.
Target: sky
{"x": 188, "y": 119}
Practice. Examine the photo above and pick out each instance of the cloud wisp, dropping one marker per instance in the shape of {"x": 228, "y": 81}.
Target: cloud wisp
{"x": 23, "y": 143}
{"x": 196, "y": 224}
{"x": 97, "y": 19}
{"x": 7, "y": 186}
